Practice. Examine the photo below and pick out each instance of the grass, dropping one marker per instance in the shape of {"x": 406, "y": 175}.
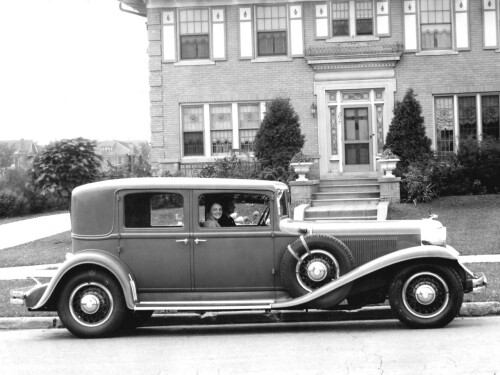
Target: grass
{"x": 473, "y": 224}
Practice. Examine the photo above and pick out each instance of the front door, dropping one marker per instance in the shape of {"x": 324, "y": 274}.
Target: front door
{"x": 357, "y": 135}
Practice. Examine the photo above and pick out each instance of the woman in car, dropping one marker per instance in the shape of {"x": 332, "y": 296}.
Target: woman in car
{"x": 213, "y": 216}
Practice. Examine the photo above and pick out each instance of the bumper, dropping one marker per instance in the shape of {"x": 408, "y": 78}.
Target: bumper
{"x": 28, "y": 297}
{"x": 479, "y": 283}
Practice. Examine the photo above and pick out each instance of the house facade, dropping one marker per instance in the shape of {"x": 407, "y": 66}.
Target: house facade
{"x": 117, "y": 152}
{"x": 342, "y": 64}
{"x": 23, "y": 152}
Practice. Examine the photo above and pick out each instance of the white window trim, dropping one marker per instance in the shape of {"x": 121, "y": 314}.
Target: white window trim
{"x": 208, "y": 156}
{"x": 352, "y": 37}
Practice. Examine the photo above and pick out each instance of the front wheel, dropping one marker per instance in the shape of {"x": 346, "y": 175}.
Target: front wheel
{"x": 91, "y": 304}
{"x": 426, "y": 296}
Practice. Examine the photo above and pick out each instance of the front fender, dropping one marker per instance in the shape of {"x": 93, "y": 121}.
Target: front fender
{"x": 412, "y": 253}
{"x": 90, "y": 257}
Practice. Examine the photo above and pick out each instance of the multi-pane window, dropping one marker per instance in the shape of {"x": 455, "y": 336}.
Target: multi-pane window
{"x": 194, "y": 34}
{"x": 340, "y": 18}
{"x": 490, "y": 115}
{"x": 271, "y": 30}
{"x": 467, "y": 117}
{"x": 435, "y": 24}
{"x": 221, "y": 129}
{"x": 249, "y": 123}
{"x": 352, "y": 17}
{"x": 364, "y": 17}
{"x": 444, "y": 125}
{"x": 192, "y": 128}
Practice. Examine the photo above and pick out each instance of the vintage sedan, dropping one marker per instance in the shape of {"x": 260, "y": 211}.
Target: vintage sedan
{"x": 141, "y": 245}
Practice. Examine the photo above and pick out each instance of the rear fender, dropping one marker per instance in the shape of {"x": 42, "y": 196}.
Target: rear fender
{"x": 401, "y": 256}
{"x": 98, "y": 258}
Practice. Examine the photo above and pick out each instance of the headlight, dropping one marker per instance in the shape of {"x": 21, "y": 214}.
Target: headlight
{"x": 433, "y": 233}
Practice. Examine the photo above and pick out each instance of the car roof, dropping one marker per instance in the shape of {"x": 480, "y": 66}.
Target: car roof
{"x": 180, "y": 183}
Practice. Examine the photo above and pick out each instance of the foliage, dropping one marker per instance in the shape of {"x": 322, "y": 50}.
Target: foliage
{"x": 135, "y": 166}
{"x": 279, "y": 136}
{"x": 417, "y": 187}
{"x": 64, "y": 165}
{"x": 6, "y": 155}
{"x": 278, "y": 173}
{"x": 406, "y": 136}
{"x": 300, "y": 157}
{"x": 481, "y": 163}
{"x": 227, "y": 167}
{"x": 12, "y": 203}
{"x": 388, "y": 154}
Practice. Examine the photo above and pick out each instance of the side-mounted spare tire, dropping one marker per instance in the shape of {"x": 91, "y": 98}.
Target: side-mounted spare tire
{"x": 313, "y": 261}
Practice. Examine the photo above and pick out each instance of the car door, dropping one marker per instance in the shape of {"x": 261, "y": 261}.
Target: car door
{"x": 154, "y": 239}
{"x": 233, "y": 259}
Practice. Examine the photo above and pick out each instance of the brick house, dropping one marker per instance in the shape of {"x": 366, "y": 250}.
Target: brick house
{"x": 342, "y": 63}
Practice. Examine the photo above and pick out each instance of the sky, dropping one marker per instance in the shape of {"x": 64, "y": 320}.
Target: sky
{"x": 72, "y": 68}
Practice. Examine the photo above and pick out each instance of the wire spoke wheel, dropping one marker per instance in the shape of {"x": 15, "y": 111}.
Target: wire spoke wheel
{"x": 91, "y": 304}
{"x": 426, "y": 295}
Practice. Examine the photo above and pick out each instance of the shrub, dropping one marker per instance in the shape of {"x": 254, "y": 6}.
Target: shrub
{"x": 228, "y": 167}
{"x": 481, "y": 162}
{"x": 278, "y": 173}
{"x": 406, "y": 136}
{"x": 12, "y": 204}
{"x": 279, "y": 136}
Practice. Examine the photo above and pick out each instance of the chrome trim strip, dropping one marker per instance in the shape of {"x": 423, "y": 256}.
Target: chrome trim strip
{"x": 134, "y": 289}
{"x": 218, "y": 303}
{"x": 417, "y": 252}
{"x": 199, "y": 307}
{"x": 305, "y": 244}
{"x": 289, "y": 248}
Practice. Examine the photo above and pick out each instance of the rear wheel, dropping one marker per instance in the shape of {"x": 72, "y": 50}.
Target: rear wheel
{"x": 426, "y": 296}
{"x": 91, "y": 304}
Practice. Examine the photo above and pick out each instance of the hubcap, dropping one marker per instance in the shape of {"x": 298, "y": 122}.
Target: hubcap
{"x": 90, "y": 304}
{"x": 316, "y": 268}
{"x": 425, "y": 295}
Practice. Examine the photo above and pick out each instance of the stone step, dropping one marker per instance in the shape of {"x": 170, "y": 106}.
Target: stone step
{"x": 347, "y": 218}
{"x": 348, "y": 181}
{"x": 341, "y": 194}
{"x": 349, "y": 188}
{"x": 354, "y": 202}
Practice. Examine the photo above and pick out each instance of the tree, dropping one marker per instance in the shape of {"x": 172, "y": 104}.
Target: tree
{"x": 6, "y": 155}
{"x": 64, "y": 165}
{"x": 406, "y": 137}
{"x": 279, "y": 136}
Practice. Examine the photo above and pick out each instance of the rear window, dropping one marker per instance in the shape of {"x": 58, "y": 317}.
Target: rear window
{"x": 146, "y": 210}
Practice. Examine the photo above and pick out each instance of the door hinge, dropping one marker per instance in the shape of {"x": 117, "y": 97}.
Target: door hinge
{"x": 273, "y": 271}
{"x": 119, "y": 249}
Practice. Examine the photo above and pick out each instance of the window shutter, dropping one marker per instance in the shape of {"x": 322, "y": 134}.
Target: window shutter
{"x": 490, "y": 24}
{"x": 383, "y": 24}
{"x": 218, "y": 34}
{"x": 321, "y": 21}
{"x": 169, "y": 39}
{"x": 410, "y": 13}
{"x": 246, "y": 33}
{"x": 462, "y": 24}
{"x": 296, "y": 31}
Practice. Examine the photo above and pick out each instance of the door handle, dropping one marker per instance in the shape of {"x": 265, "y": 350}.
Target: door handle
{"x": 197, "y": 241}
{"x": 185, "y": 240}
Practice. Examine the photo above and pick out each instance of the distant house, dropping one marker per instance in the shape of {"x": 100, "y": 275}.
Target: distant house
{"x": 117, "y": 152}
{"x": 24, "y": 151}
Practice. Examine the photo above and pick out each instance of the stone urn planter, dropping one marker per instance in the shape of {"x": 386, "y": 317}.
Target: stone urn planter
{"x": 387, "y": 162}
{"x": 388, "y": 165}
{"x": 301, "y": 169}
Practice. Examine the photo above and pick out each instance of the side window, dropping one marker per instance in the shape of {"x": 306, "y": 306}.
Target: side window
{"x": 146, "y": 210}
{"x": 234, "y": 210}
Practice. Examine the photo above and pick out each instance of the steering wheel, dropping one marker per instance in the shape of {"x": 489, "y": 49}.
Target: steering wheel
{"x": 263, "y": 218}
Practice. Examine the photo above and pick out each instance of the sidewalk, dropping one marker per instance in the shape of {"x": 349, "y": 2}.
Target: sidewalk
{"x": 19, "y": 232}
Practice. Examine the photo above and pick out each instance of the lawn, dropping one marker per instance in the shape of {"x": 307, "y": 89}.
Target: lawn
{"x": 473, "y": 224}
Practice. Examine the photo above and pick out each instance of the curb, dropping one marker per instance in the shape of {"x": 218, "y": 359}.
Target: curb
{"x": 469, "y": 309}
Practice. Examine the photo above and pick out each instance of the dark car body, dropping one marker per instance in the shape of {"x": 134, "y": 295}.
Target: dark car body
{"x": 141, "y": 245}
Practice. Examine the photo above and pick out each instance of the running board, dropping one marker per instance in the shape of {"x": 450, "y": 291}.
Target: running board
{"x": 206, "y": 305}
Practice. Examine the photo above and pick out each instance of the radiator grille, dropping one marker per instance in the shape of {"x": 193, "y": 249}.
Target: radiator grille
{"x": 369, "y": 248}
